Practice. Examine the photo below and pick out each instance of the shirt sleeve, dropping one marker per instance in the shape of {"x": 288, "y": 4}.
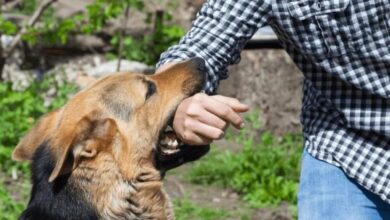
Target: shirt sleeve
{"x": 218, "y": 34}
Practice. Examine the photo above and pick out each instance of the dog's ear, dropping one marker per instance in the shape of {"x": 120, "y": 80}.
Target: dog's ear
{"x": 84, "y": 140}
{"x": 37, "y": 135}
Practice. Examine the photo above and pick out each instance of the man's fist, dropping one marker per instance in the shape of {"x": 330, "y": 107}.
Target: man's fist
{"x": 200, "y": 119}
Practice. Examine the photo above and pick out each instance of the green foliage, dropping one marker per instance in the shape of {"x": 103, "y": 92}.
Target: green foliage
{"x": 101, "y": 11}
{"x": 253, "y": 124}
{"x": 57, "y": 30}
{"x": 28, "y": 7}
{"x": 53, "y": 30}
{"x": 7, "y": 27}
{"x": 185, "y": 209}
{"x": 10, "y": 207}
{"x": 20, "y": 110}
{"x": 265, "y": 173}
{"x": 148, "y": 48}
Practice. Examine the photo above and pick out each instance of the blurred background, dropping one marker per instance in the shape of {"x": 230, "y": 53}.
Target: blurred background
{"x": 51, "y": 49}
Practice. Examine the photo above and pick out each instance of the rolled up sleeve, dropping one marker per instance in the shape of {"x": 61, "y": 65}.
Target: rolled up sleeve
{"x": 218, "y": 34}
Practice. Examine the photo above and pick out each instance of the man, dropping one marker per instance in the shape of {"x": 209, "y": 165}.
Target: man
{"x": 343, "y": 49}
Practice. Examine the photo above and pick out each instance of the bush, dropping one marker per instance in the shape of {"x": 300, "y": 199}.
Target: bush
{"x": 99, "y": 13}
{"x": 147, "y": 49}
{"x": 19, "y": 111}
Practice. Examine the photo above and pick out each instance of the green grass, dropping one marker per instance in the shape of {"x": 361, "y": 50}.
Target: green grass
{"x": 186, "y": 210}
{"x": 20, "y": 110}
{"x": 265, "y": 172}
{"x": 13, "y": 196}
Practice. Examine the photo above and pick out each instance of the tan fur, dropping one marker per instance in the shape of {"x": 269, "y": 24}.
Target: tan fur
{"x": 45, "y": 126}
{"x": 105, "y": 137}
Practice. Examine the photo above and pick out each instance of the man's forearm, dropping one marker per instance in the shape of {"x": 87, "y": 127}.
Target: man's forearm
{"x": 218, "y": 34}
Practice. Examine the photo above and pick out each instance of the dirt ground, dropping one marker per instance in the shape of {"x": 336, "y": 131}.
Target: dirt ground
{"x": 217, "y": 197}
{"x": 220, "y": 198}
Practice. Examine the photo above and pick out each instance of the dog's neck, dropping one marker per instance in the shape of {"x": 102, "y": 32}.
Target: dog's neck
{"x": 95, "y": 193}
{"x": 135, "y": 195}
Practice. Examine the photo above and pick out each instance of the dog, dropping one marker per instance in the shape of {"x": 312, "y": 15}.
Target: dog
{"x": 103, "y": 154}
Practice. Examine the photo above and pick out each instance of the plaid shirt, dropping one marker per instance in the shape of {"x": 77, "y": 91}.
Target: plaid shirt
{"x": 343, "y": 50}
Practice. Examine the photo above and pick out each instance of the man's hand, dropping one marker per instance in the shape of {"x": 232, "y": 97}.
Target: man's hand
{"x": 200, "y": 119}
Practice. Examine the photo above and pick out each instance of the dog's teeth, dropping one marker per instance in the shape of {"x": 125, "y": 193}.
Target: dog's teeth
{"x": 171, "y": 151}
{"x": 175, "y": 143}
{"x": 164, "y": 141}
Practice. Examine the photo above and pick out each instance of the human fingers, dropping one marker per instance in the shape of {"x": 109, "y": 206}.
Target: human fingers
{"x": 232, "y": 102}
{"x": 220, "y": 109}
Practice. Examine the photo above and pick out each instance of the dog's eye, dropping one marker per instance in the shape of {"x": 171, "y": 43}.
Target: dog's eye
{"x": 151, "y": 89}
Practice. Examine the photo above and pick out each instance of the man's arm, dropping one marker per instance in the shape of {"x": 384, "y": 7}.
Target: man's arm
{"x": 218, "y": 34}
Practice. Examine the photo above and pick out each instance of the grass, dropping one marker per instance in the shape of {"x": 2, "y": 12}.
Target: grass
{"x": 265, "y": 172}
{"x": 185, "y": 209}
{"x": 13, "y": 196}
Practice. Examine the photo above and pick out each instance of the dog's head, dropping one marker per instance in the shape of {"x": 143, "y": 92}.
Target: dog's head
{"x": 122, "y": 115}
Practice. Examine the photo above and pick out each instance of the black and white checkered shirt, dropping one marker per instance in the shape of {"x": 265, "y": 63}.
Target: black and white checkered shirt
{"x": 343, "y": 49}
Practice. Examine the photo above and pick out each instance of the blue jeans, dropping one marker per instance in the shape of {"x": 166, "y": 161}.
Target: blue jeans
{"x": 326, "y": 193}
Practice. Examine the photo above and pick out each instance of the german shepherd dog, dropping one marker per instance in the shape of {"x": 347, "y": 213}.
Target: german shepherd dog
{"x": 103, "y": 155}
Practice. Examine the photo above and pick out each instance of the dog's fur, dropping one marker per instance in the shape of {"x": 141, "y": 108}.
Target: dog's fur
{"x": 98, "y": 157}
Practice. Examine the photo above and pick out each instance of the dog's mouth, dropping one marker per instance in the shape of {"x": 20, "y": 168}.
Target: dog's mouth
{"x": 171, "y": 152}
{"x": 168, "y": 143}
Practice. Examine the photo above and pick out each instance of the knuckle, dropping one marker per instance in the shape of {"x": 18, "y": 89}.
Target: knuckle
{"x": 220, "y": 124}
{"x": 212, "y": 135}
{"x": 192, "y": 109}
{"x": 187, "y": 135}
{"x": 199, "y": 97}
{"x": 225, "y": 112}
{"x": 235, "y": 101}
{"x": 187, "y": 123}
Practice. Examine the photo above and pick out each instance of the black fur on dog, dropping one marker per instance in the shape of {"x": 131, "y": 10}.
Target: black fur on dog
{"x": 58, "y": 200}
{"x": 62, "y": 200}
